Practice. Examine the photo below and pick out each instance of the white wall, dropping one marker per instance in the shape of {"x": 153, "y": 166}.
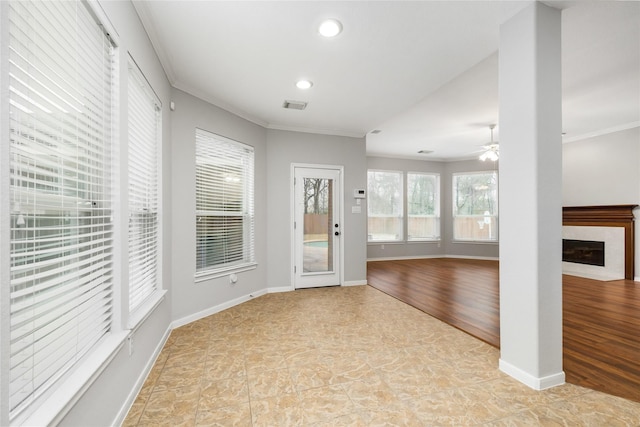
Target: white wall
{"x": 285, "y": 148}
{"x": 192, "y": 300}
{"x": 604, "y": 170}
{"x": 108, "y": 395}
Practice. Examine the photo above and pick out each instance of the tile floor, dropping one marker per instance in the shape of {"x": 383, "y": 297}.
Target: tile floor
{"x": 348, "y": 356}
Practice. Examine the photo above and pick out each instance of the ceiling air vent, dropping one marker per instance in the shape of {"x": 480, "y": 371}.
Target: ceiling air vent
{"x": 294, "y": 105}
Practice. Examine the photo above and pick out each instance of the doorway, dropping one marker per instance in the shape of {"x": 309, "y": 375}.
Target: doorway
{"x": 317, "y": 237}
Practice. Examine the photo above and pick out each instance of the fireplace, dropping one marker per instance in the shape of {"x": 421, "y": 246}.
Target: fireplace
{"x": 613, "y": 225}
{"x": 583, "y": 252}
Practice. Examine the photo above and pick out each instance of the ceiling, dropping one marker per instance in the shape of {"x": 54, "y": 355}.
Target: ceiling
{"x": 423, "y": 73}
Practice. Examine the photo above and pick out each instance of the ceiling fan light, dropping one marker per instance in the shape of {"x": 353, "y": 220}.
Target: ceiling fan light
{"x": 491, "y": 150}
{"x": 490, "y": 154}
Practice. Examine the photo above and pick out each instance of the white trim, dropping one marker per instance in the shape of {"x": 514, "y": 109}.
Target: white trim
{"x": 485, "y": 258}
{"x": 355, "y": 283}
{"x": 317, "y": 131}
{"x": 292, "y": 215}
{"x": 278, "y": 289}
{"x": 5, "y": 229}
{"x": 536, "y": 383}
{"x": 636, "y": 279}
{"x": 145, "y": 309}
{"x": 400, "y": 258}
{"x": 163, "y": 55}
{"x": 216, "y": 309}
{"x": 600, "y": 132}
{"x": 54, "y": 407}
{"x": 476, "y": 242}
{"x": 231, "y": 109}
{"x": 131, "y": 398}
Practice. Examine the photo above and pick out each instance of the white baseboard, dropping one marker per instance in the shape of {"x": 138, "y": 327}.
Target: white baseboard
{"x": 399, "y": 258}
{"x": 216, "y": 309}
{"x": 354, "y": 282}
{"x": 482, "y": 258}
{"x": 131, "y": 398}
{"x": 536, "y": 383}
{"x": 278, "y": 289}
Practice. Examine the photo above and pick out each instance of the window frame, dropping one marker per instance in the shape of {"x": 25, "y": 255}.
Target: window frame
{"x": 480, "y": 217}
{"x": 43, "y": 409}
{"x": 247, "y": 211}
{"x": 153, "y": 292}
{"x": 437, "y": 215}
{"x": 401, "y": 216}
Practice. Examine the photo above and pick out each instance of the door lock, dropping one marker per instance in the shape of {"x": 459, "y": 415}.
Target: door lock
{"x": 337, "y": 233}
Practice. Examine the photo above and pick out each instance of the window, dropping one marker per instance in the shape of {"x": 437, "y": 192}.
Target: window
{"x": 144, "y": 137}
{"x": 423, "y": 206}
{"x": 475, "y": 206}
{"x": 385, "y": 206}
{"x": 224, "y": 205}
{"x": 60, "y": 70}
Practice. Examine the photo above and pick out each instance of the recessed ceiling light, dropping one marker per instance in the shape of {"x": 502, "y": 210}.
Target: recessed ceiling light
{"x": 330, "y": 28}
{"x": 304, "y": 84}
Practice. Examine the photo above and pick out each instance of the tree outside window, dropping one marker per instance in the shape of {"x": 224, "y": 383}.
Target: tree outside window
{"x": 423, "y": 206}
{"x": 385, "y": 206}
{"x": 475, "y": 206}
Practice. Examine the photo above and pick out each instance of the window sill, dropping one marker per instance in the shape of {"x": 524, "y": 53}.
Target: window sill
{"x": 141, "y": 313}
{"x": 221, "y": 272}
{"x": 51, "y": 407}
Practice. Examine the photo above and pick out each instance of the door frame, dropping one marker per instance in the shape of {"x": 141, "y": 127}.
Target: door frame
{"x": 292, "y": 218}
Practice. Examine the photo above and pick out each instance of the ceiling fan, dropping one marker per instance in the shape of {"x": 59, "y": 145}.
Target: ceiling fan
{"x": 491, "y": 150}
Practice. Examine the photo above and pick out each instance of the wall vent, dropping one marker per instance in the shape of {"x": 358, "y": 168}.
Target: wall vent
{"x": 294, "y": 105}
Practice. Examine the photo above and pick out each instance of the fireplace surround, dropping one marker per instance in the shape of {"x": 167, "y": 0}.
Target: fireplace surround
{"x": 606, "y": 216}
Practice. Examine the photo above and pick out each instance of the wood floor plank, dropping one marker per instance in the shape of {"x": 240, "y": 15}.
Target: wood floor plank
{"x": 601, "y": 320}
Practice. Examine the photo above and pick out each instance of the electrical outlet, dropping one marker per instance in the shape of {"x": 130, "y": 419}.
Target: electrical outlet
{"x": 130, "y": 339}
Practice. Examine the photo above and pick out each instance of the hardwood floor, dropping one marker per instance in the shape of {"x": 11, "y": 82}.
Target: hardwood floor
{"x": 601, "y": 320}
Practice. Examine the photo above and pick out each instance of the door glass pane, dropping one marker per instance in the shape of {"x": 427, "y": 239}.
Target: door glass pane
{"x": 318, "y": 225}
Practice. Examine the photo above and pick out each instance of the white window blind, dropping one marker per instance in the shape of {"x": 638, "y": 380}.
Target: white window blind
{"x": 144, "y": 136}
{"x": 60, "y": 86}
{"x": 385, "y": 206}
{"x": 224, "y": 203}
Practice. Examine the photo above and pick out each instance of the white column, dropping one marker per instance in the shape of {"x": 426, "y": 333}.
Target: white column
{"x": 531, "y": 197}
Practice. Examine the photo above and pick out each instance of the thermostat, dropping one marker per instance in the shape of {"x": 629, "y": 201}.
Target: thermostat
{"x": 359, "y": 193}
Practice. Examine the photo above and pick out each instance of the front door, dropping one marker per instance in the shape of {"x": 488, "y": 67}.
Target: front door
{"x": 317, "y": 226}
